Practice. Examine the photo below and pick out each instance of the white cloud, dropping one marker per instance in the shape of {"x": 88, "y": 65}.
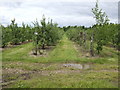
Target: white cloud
{"x": 64, "y": 12}
{"x": 59, "y": 0}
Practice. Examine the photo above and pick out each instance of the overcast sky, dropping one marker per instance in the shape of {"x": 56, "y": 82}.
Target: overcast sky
{"x": 63, "y": 12}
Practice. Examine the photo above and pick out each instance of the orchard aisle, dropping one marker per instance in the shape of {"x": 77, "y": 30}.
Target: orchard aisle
{"x": 57, "y": 70}
{"x": 64, "y": 51}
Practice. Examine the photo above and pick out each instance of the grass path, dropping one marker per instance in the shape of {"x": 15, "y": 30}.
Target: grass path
{"x": 64, "y": 51}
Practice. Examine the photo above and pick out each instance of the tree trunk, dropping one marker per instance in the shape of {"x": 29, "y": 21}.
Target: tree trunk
{"x": 81, "y": 38}
{"x": 91, "y": 45}
{"x": 84, "y": 39}
{"x": 43, "y": 46}
{"x": 36, "y": 48}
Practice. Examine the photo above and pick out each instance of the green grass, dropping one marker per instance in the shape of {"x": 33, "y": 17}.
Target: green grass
{"x": 64, "y": 51}
{"x": 17, "y": 53}
{"x": 54, "y": 75}
{"x": 76, "y": 80}
{"x": 62, "y": 84}
{"x": 26, "y": 71}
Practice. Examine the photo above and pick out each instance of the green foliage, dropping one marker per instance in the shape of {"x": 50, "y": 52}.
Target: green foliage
{"x": 5, "y": 36}
{"x": 45, "y": 34}
{"x": 15, "y": 37}
{"x": 76, "y": 34}
{"x": 98, "y": 35}
{"x": 101, "y": 19}
{"x": 12, "y": 34}
{"x": 104, "y": 35}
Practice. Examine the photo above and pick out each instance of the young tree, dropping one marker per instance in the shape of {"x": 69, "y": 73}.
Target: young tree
{"x": 101, "y": 19}
{"x": 6, "y": 36}
{"x": 15, "y": 32}
{"x": 43, "y": 30}
{"x": 45, "y": 34}
{"x": 37, "y": 37}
